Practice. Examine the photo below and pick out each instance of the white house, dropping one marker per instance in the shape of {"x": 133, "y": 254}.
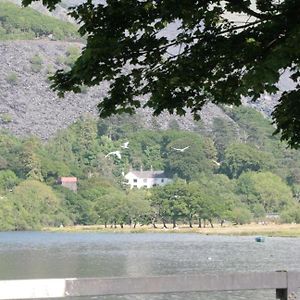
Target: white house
{"x": 146, "y": 179}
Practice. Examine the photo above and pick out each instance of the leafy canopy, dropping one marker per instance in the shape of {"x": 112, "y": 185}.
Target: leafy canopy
{"x": 220, "y": 51}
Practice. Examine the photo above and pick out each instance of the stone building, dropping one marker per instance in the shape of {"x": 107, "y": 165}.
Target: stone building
{"x": 68, "y": 182}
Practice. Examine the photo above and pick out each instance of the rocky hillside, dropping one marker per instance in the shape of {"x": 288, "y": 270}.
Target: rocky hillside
{"x": 28, "y": 106}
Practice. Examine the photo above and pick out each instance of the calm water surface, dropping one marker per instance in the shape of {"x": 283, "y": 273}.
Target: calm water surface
{"x": 26, "y": 255}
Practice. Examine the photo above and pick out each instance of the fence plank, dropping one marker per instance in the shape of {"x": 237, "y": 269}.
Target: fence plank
{"x": 68, "y": 287}
{"x": 176, "y": 284}
{"x": 32, "y": 289}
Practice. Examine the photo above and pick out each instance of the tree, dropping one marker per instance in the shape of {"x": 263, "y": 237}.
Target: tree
{"x": 107, "y": 208}
{"x": 254, "y": 128}
{"x": 215, "y": 198}
{"x": 240, "y": 158}
{"x": 196, "y": 159}
{"x": 85, "y": 147}
{"x": 36, "y": 205}
{"x": 31, "y": 160}
{"x": 224, "y": 133}
{"x": 145, "y": 150}
{"x": 10, "y": 152}
{"x": 215, "y": 55}
{"x": 291, "y": 215}
{"x": 241, "y": 215}
{"x": 172, "y": 202}
{"x": 139, "y": 207}
{"x": 7, "y": 215}
{"x": 8, "y": 180}
{"x": 266, "y": 189}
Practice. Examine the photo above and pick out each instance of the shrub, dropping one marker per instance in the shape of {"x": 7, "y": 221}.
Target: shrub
{"x": 83, "y": 89}
{"x": 36, "y": 63}
{"x": 291, "y": 215}
{"x": 6, "y": 118}
{"x": 72, "y": 55}
{"x": 50, "y": 70}
{"x": 12, "y": 78}
{"x": 59, "y": 60}
{"x": 241, "y": 215}
{"x": 8, "y": 180}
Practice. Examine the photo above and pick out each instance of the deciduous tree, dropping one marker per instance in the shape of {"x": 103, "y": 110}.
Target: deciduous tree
{"x": 215, "y": 55}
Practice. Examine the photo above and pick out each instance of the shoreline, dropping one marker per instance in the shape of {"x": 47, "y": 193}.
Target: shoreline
{"x": 269, "y": 230}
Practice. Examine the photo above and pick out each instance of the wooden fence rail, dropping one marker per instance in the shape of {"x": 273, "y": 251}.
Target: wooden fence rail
{"x": 286, "y": 284}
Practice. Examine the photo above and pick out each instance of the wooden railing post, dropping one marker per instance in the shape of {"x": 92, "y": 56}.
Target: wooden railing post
{"x": 292, "y": 292}
{"x": 281, "y": 294}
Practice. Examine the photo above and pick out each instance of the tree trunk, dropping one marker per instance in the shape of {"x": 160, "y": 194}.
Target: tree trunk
{"x": 211, "y": 223}
{"x": 199, "y": 223}
{"x": 121, "y": 224}
{"x": 153, "y": 222}
{"x": 134, "y": 225}
{"x": 174, "y": 223}
{"x": 191, "y": 221}
{"x": 154, "y": 225}
{"x": 222, "y": 223}
{"x": 164, "y": 224}
{"x": 105, "y": 224}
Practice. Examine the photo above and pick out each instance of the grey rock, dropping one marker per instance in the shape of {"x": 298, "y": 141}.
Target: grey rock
{"x": 36, "y": 110}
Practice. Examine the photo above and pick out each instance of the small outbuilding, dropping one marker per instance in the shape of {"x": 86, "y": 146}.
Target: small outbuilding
{"x": 68, "y": 182}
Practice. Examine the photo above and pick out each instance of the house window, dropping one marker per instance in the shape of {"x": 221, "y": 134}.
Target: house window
{"x": 154, "y": 184}
{"x": 134, "y": 180}
{"x": 145, "y": 180}
{"x": 162, "y": 180}
{"x": 145, "y": 185}
{"x": 135, "y": 186}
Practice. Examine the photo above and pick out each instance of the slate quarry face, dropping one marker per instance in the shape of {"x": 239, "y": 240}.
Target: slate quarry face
{"x": 33, "y": 108}
{"x": 29, "y": 107}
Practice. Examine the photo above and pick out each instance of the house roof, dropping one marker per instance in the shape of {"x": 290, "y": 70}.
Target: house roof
{"x": 67, "y": 179}
{"x": 149, "y": 174}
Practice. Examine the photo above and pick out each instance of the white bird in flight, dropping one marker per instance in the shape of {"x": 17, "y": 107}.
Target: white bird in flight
{"x": 125, "y": 145}
{"x": 181, "y": 149}
{"x": 216, "y": 162}
{"x": 116, "y": 153}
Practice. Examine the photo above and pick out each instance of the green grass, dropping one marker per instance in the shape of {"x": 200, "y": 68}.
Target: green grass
{"x": 18, "y": 23}
{"x": 271, "y": 230}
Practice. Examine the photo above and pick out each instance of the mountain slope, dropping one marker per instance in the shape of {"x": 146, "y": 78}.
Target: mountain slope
{"x": 28, "y": 106}
{"x": 26, "y": 101}
{"x": 27, "y": 23}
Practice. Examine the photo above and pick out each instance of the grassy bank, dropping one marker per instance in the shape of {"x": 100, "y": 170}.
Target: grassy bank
{"x": 284, "y": 230}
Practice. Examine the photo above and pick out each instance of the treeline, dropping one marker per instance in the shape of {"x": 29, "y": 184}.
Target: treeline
{"x": 18, "y": 23}
{"x": 234, "y": 170}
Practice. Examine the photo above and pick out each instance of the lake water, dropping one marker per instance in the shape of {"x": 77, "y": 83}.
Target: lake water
{"x": 25, "y": 255}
